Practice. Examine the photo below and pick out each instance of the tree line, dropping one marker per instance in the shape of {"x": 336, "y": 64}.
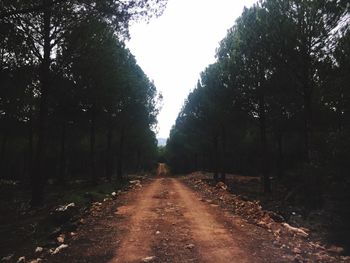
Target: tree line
{"x": 73, "y": 101}
{"x": 276, "y": 101}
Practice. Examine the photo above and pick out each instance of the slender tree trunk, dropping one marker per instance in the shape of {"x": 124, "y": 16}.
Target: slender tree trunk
{"x": 4, "y": 143}
{"x": 138, "y": 160}
{"x": 264, "y": 159}
{"x": 24, "y": 167}
{"x": 216, "y": 159}
{"x": 340, "y": 120}
{"x": 93, "y": 144}
{"x": 30, "y": 146}
{"x": 307, "y": 96}
{"x": 223, "y": 155}
{"x": 109, "y": 157}
{"x": 307, "y": 124}
{"x": 3, "y": 151}
{"x": 280, "y": 165}
{"x": 38, "y": 176}
{"x": 63, "y": 154}
{"x": 2, "y": 57}
{"x": 196, "y": 161}
{"x": 339, "y": 111}
{"x": 120, "y": 156}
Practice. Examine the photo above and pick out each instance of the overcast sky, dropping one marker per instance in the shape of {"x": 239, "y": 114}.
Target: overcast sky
{"x": 174, "y": 48}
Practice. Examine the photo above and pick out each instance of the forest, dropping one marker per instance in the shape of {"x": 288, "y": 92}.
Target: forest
{"x": 73, "y": 101}
{"x": 276, "y": 101}
{"x": 275, "y": 104}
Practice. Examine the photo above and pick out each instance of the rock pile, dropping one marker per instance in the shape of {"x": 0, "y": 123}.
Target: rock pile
{"x": 135, "y": 184}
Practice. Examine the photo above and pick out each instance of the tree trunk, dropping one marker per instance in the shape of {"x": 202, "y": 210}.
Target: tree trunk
{"x": 62, "y": 178}
{"x": 30, "y": 145}
{"x": 264, "y": 159}
{"x": 307, "y": 96}
{"x": 38, "y": 176}
{"x": 4, "y": 143}
{"x": 223, "y": 155}
{"x": 109, "y": 152}
{"x": 216, "y": 159}
{"x": 120, "y": 156}
{"x": 93, "y": 144}
{"x": 196, "y": 161}
{"x": 3, "y": 151}
{"x": 307, "y": 124}
{"x": 339, "y": 111}
{"x": 138, "y": 160}
{"x": 280, "y": 165}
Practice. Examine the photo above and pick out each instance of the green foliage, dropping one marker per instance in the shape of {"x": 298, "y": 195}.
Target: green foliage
{"x": 275, "y": 102}
{"x": 73, "y": 100}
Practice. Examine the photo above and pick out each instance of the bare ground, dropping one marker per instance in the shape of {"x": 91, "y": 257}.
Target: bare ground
{"x": 166, "y": 221}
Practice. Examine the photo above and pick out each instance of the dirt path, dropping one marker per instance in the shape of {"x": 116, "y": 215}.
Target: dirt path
{"x": 162, "y": 169}
{"x": 165, "y": 221}
{"x": 215, "y": 243}
{"x": 179, "y": 227}
{"x": 133, "y": 246}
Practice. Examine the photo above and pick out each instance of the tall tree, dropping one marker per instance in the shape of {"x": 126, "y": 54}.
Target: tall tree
{"x": 44, "y": 27}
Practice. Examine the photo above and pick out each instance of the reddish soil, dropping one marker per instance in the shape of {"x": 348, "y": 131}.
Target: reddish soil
{"x": 166, "y": 221}
{"x": 162, "y": 169}
{"x": 184, "y": 220}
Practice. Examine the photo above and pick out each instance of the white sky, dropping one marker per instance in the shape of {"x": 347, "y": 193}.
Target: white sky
{"x": 174, "y": 48}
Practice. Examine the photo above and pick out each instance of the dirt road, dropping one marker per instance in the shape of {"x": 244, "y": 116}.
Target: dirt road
{"x": 170, "y": 223}
{"x": 166, "y": 221}
{"x": 162, "y": 169}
